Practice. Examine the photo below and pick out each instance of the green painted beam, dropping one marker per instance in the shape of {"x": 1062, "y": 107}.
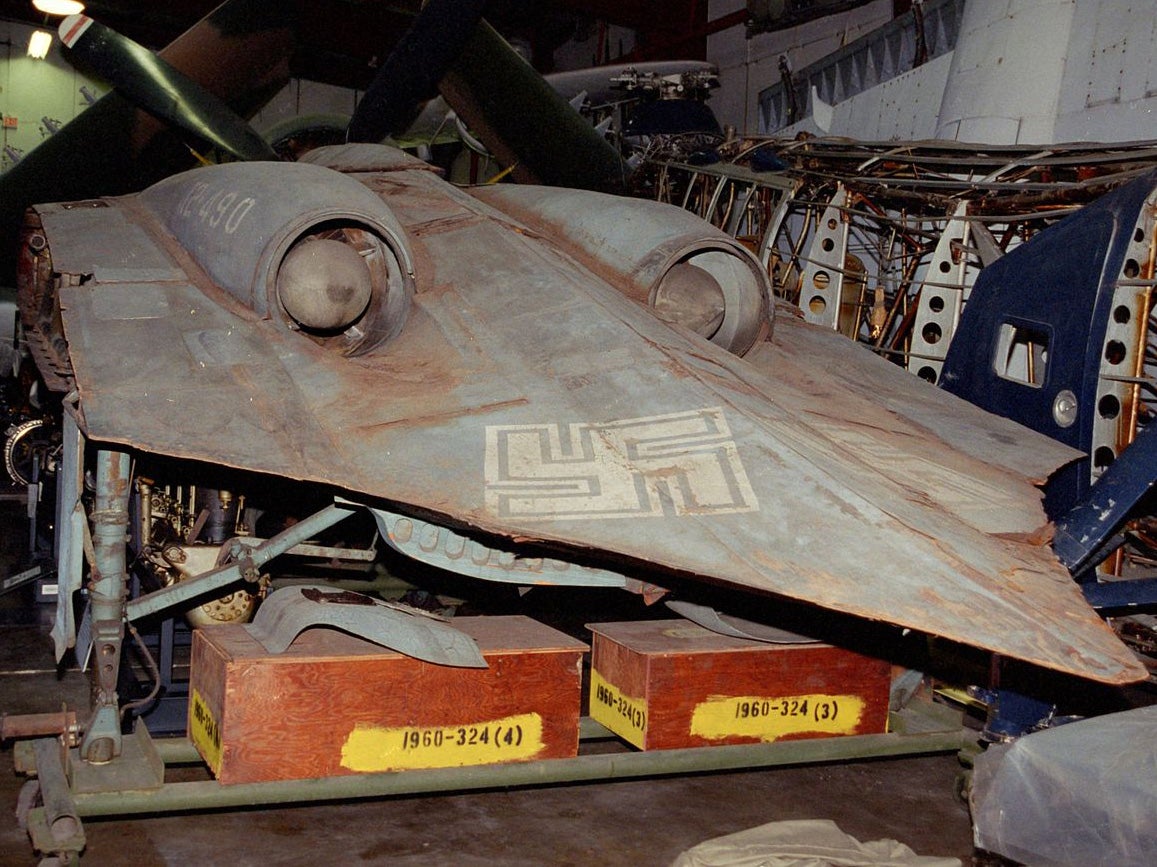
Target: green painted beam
{"x": 178, "y": 797}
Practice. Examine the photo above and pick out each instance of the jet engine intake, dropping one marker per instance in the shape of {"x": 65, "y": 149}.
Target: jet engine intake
{"x": 299, "y": 244}
{"x": 688, "y": 272}
{"x": 324, "y": 284}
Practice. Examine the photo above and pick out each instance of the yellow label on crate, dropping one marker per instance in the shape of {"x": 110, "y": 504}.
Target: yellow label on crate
{"x": 370, "y": 749}
{"x": 770, "y": 718}
{"x": 204, "y": 731}
{"x": 625, "y": 716}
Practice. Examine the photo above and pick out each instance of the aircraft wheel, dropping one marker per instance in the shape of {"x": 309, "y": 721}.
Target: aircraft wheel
{"x": 26, "y": 442}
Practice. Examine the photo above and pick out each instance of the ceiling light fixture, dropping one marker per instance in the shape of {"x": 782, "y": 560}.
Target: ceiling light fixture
{"x": 38, "y": 44}
{"x": 58, "y": 7}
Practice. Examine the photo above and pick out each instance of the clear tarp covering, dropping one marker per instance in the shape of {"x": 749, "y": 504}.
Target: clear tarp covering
{"x": 1079, "y": 794}
{"x": 803, "y": 843}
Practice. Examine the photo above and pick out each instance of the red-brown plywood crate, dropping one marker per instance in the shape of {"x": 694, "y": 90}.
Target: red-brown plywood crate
{"x": 662, "y": 684}
{"x": 333, "y": 704}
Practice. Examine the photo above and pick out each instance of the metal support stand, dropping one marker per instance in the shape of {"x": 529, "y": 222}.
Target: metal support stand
{"x": 110, "y": 519}
{"x": 134, "y": 783}
{"x": 54, "y": 826}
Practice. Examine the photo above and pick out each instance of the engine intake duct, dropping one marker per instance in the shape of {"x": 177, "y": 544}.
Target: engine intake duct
{"x": 688, "y": 272}
{"x": 299, "y": 244}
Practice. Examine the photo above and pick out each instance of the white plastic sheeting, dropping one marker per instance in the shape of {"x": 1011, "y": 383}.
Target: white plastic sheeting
{"x": 803, "y": 843}
{"x": 1079, "y": 794}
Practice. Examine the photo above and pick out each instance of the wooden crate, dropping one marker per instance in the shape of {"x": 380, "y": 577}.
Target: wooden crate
{"x": 663, "y": 684}
{"x": 333, "y": 704}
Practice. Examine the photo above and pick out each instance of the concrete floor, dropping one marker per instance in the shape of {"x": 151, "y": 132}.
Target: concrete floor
{"x": 640, "y": 822}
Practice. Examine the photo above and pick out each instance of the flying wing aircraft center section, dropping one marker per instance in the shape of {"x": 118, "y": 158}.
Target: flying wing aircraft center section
{"x": 477, "y": 372}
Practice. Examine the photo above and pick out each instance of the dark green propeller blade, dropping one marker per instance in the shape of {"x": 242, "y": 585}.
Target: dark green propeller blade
{"x": 240, "y": 51}
{"x": 415, "y": 65}
{"x": 148, "y": 81}
{"x": 525, "y": 122}
{"x": 516, "y": 114}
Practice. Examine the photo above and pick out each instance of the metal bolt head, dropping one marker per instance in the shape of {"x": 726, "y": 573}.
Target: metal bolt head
{"x": 1065, "y": 408}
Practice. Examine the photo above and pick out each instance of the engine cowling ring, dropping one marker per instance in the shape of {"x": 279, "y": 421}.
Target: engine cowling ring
{"x": 242, "y": 222}
{"x": 654, "y": 252}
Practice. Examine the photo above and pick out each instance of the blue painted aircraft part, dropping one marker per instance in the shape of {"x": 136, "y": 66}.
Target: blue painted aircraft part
{"x": 1060, "y": 284}
{"x": 1012, "y": 714}
{"x": 1087, "y": 529}
{"x": 1119, "y": 596}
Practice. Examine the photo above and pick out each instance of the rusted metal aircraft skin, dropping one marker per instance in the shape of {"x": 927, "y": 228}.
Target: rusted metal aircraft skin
{"x": 500, "y": 387}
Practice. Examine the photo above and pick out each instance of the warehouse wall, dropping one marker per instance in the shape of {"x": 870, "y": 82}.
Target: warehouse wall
{"x": 746, "y": 66}
{"x": 593, "y": 46}
{"x": 31, "y": 90}
{"x": 1022, "y": 72}
{"x": 302, "y": 99}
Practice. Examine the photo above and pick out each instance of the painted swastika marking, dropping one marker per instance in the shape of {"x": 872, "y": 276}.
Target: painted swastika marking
{"x": 684, "y": 463}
